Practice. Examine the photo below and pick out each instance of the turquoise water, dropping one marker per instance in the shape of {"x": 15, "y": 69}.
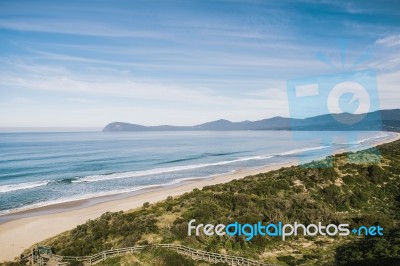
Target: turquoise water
{"x": 38, "y": 169}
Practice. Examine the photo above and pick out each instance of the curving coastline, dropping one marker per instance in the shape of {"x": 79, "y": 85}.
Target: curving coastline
{"x": 31, "y": 226}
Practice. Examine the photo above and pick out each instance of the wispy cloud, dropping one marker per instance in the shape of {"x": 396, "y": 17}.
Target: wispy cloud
{"x": 389, "y": 41}
{"x": 85, "y": 28}
{"x": 22, "y": 100}
{"x": 80, "y": 100}
{"x": 39, "y": 77}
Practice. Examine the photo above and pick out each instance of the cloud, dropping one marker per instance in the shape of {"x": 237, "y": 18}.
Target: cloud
{"x": 86, "y": 28}
{"x": 192, "y": 62}
{"x": 118, "y": 94}
{"x": 22, "y": 100}
{"x": 388, "y": 63}
{"x": 389, "y": 41}
{"x": 58, "y": 79}
{"x": 80, "y": 100}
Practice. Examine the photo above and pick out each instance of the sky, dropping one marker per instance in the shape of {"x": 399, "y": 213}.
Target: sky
{"x": 84, "y": 64}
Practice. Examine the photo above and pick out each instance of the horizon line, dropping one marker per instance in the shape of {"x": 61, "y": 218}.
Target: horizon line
{"x": 55, "y": 129}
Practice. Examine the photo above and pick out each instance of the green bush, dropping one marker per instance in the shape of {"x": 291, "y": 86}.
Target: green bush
{"x": 171, "y": 258}
{"x": 289, "y": 260}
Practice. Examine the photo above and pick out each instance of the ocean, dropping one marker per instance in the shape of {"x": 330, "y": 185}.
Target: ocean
{"x": 39, "y": 169}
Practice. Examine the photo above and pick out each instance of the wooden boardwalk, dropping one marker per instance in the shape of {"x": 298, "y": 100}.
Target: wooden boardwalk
{"x": 56, "y": 260}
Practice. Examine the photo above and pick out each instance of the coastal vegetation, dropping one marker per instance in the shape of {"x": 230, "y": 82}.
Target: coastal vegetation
{"x": 344, "y": 188}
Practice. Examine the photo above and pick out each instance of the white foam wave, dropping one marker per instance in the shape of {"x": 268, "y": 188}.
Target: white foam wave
{"x": 180, "y": 180}
{"x": 21, "y": 186}
{"x": 101, "y": 194}
{"x": 303, "y": 150}
{"x": 77, "y": 198}
{"x": 361, "y": 141}
{"x": 155, "y": 171}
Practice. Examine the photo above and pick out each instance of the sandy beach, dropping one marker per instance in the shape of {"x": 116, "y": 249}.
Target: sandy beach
{"x": 29, "y": 227}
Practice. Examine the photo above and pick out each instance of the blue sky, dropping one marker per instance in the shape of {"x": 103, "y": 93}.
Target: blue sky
{"x": 88, "y": 63}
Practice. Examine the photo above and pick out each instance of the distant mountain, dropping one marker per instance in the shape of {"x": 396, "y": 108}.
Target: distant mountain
{"x": 379, "y": 120}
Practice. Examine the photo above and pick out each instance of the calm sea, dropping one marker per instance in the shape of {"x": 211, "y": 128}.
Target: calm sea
{"x": 38, "y": 169}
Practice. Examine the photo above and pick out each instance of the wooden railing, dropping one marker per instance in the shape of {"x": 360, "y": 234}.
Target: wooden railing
{"x": 187, "y": 251}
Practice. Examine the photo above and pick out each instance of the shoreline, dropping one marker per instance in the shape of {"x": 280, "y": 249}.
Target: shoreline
{"x": 75, "y": 204}
{"x": 20, "y": 230}
{"x": 20, "y": 234}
